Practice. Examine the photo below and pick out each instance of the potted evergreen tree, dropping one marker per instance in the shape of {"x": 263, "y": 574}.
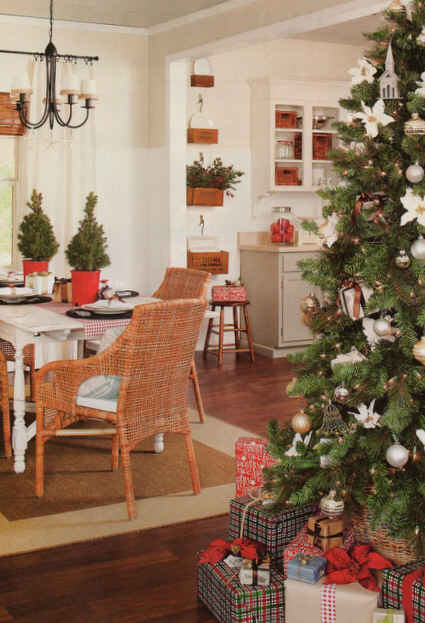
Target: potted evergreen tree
{"x": 86, "y": 254}
{"x": 36, "y": 239}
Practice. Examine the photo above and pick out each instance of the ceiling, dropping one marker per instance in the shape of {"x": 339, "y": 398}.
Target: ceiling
{"x": 137, "y": 13}
{"x": 350, "y": 32}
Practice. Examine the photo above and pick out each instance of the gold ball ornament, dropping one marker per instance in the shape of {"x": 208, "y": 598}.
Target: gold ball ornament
{"x": 402, "y": 260}
{"x": 310, "y": 304}
{"x": 419, "y": 350}
{"x": 341, "y": 394}
{"x": 301, "y": 423}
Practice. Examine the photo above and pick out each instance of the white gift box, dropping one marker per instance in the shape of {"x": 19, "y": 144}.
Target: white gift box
{"x": 347, "y": 298}
{"x": 394, "y": 616}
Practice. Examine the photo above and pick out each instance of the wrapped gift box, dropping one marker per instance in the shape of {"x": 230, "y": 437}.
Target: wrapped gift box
{"x": 392, "y": 593}
{"x": 306, "y": 568}
{"x": 382, "y": 615}
{"x": 328, "y": 603}
{"x": 300, "y": 545}
{"x": 324, "y": 532}
{"x": 232, "y": 602}
{"x": 256, "y": 575}
{"x": 354, "y": 299}
{"x": 228, "y": 293}
{"x": 275, "y": 530}
{"x": 251, "y": 458}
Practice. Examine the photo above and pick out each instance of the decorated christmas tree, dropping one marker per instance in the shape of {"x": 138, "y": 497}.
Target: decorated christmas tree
{"x": 87, "y": 249}
{"x": 362, "y": 430}
{"x": 36, "y": 239}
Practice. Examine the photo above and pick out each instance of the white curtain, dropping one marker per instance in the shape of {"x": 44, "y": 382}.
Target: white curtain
{"x": 61, "y": 164}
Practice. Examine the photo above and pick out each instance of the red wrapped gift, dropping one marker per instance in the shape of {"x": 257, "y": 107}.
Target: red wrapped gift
{"x": 228, "y": 293}
{"x": 251, "y": 458}
{"x": 300, "y": 545}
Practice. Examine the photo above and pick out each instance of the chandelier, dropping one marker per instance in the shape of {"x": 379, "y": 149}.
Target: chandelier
{"x": 72, "y": 91}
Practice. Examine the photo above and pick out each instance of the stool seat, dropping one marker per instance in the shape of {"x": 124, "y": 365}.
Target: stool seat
{"x": 225, "y": 327}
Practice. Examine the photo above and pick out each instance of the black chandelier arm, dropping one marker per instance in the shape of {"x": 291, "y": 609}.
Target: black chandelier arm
{"x": 20, "y": 107}
{"x": 68, "y": 125}
{"x": 70, "y": 57}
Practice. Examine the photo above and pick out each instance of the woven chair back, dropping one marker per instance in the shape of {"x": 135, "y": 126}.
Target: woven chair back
{"x": 183, "y": 283}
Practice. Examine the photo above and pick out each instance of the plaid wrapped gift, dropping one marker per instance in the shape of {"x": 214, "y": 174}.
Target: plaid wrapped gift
{"x": 275, "y": 530}
{"x": 392, "y": 590}
{"x": 251, "y": 458}
{"x": 230, "y": 601}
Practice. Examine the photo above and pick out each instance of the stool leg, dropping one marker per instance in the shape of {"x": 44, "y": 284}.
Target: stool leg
{"x": 248, "y": 332}
{"x": 194, "y": 377}
{"x": 236, "y": 328}
{"x": 221, "y": 337}
{"x": 208, "y": 335}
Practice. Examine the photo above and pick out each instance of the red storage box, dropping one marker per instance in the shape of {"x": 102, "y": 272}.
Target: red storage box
{"x": 322, "y": 145}
{"x": 286, "y": 176}
{"x": 228, "y": 293}
{"x": 286, "y": 119}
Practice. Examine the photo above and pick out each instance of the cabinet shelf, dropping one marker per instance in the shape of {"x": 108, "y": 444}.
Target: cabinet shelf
{"x": 293, "y": 130}
{"x": 325, "y": 131}
{"x": 289, "y": 160}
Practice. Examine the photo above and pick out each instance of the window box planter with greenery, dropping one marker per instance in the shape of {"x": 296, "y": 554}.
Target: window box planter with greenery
{"x": 206, "y": 185}
{"x": 36, "y": 239}
{"x": 86, "y": 254}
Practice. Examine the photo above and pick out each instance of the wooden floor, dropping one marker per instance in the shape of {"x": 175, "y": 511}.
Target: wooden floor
{"x": 147, "y": 576}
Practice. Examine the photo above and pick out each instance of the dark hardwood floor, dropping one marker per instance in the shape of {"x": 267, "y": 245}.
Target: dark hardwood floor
{"x": 147, "y": 576}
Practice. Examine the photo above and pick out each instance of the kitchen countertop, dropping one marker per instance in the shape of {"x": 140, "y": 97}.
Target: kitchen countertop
{"x": 260, "y": 241}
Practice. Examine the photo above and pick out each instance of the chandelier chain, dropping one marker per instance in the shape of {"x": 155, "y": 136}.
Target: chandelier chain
{"x": 51, "y": 21}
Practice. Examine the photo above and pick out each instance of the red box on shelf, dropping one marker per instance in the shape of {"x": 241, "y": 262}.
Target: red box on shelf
{"x": 322, "y": 144}
{"x": 286, "y": 119}
{"x": 286, "y": 176}
{"x": 228, "y": 293}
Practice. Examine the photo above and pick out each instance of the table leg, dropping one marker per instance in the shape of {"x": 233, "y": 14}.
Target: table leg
{"x": 19, "y": 436}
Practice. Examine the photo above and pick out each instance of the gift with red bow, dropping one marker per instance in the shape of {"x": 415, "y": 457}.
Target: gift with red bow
{"x": 359, "y": 565}
{"x": 404, "y": 588}
{"x": 238, "y": 549}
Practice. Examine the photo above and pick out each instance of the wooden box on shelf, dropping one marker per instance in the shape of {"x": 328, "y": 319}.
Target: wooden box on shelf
{"x": 204, "y": 196}
{"x": 10, "y": 123}
{"x": 206, "y": 136}
{"x": 215, "y": 262}
{"x": 322, "y": 144}
{"x": 286, "y": 176}
{"x": 286, "y": 119}
{"x": 197, "y": 80}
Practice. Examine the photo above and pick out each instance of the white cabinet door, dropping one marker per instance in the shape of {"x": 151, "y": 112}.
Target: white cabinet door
{"x": 294, "y": 289}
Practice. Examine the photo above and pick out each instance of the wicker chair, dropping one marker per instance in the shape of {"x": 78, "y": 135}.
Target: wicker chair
{"x": 4, "y": 404}
{"x": 183, "y": 283}
{"x": 152, "y": 357}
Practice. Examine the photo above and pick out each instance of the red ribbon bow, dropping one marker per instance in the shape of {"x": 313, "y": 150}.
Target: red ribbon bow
{"x": 344, "y": 568}
{"x": 407, "y": 591}
{"x": 219, "y": 549}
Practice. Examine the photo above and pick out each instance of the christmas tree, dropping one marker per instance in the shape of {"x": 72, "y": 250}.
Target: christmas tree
{"x": 36, "y": 239}
{"x": 87, "y": 249}
{"x": 361, "y": 432}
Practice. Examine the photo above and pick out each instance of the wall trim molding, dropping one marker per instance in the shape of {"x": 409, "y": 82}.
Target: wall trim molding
{"x": 59, "y": 23}
{"x": 331, "y": 16}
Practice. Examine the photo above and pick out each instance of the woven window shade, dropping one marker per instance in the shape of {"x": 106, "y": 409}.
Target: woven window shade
{"x": 10, "y": 124}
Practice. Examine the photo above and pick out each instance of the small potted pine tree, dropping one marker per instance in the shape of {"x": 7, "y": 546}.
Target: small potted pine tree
{"x": 36, "y": 238}
{"x": 86, "y": 254}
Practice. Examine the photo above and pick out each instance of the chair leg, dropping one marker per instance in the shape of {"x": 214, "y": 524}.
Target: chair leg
{"x": 115, "y": 452}
{"x": 221, "y": 337}
{"x": 198, "y": 397}
{"x": 248, "y": 332}
{"x": 6, "y": 427}
{"x": 193, "y": 466}
{"x": 158, "y": 443}
{"x": 208, "y": 335}
{"x": 236, "y": 329}
{"x": 39, "y": 466}
{"x": 128, "y": 483}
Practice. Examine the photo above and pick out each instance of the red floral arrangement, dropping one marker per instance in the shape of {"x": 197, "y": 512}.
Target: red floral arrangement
{"x": 219, "y": 549}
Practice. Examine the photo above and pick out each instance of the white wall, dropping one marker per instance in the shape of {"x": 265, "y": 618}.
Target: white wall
{"x": 121, "y": 134}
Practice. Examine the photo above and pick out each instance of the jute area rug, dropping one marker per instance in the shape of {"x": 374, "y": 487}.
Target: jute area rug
{"x": 84, "y": 499}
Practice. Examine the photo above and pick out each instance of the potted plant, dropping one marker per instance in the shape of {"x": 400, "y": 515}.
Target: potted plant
{"x": 205, "y": 185}
{"x": 36, "y": 239}
{"x": 86, "y": 253}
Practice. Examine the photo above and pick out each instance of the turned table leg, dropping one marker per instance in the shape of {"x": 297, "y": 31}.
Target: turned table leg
{"x": 19, "y": 436}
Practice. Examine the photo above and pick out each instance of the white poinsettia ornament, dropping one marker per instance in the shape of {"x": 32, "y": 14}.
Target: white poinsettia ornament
{"x": 354, "y": 356}
{"x": 367, "y": 415}
{"x": 327, "y": 229}
{"x": 298, "y": 439}
{"x": 372, "y": 337}
{"x": 421, "y": 85}
{"x": 414, "y": 206}
{"x": 364, "y": 71}
{"x": 374, "y": 117}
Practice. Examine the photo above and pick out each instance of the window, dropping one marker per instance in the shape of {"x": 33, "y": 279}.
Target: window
{"x": 8, "y": 181}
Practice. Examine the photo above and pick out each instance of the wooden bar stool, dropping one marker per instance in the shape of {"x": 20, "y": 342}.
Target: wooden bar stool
{"x": 230, "y": 326}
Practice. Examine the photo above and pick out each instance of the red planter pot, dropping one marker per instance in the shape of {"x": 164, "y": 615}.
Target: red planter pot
{"x": 85, "y": 286}
{"x": 33, "y": 266}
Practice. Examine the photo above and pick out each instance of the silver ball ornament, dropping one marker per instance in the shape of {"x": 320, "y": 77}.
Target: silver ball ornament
{"x": 397, "y": 455}
{"x": 341, "y": 394}
{"x": 418, "y": 248}
{"x": 402, "y": 260}
{"x": 330, "y": 506}
{"x": 382, "y": 327}
{"x": 415, "y": 173}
